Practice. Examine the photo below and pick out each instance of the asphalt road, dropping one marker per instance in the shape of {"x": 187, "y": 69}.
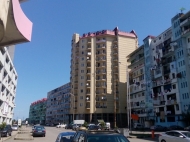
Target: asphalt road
{"x": 52, "y": 133}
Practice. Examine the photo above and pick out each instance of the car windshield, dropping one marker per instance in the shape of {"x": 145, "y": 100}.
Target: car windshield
{"x": 107, "y": 138}
{"x": 187, "y": 134}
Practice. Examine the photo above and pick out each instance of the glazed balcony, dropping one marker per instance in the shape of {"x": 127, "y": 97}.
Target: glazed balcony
{"x": 171, "y": 102}
{"x": 100, "y": 99}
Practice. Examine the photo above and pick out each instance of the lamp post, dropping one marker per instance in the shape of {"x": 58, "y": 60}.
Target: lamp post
{"x": 73, "y": 105}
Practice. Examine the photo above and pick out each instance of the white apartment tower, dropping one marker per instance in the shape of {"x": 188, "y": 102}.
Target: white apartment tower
{"x": 8, "y": 84}
{"x": 98, "y": 75}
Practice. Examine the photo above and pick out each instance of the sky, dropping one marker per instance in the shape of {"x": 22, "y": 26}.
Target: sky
{"x": 44, "y": 63}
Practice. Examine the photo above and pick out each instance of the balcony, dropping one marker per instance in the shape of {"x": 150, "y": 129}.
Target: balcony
{"x": 99, "y": 72}
{"x": 100, "y": 54}
{"x": 88, "y": 66}
{"x": 101, "y": 41}
{"x": 100, "y": 60}
{"x": 101, "y": 66}
{"x": 167, "y": 71}
{"x": 115, "y": 59}
{"x": 88, "y": 106}
{"x": 101, "y": 47}
{"x": 115, "y": 53}
{"x": 89, "y": 42}
{"x": 99, "y": 106}
{"x": 158, "y": 102}
{"x": 102, "y": 79}
{"x": 100, "y": 86}
{"x": 88, "y": 47}
{"x": 185, "y": 32}
{"x": 88, "y": 53}
{"x": 171, "y": 102}
{"x": 185, "y": 22}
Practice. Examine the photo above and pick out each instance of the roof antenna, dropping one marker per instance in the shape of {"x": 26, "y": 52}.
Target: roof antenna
{"x": 182, "y": 9}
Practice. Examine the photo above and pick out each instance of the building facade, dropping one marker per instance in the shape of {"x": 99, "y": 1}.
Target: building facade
{"x": 58, "y": 105}
{"x": 137, "y": 84}
{"x": 98, "y": 79}
{"x": 167, "y": 72}
{"x": 37, "y": 112}
{"x": 8, "y": 84}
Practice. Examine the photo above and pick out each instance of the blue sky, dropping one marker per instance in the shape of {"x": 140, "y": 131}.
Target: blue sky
{"x": 44, "y": 63}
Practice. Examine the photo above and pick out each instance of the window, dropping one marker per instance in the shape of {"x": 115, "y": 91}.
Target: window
{"x": 81, "y": 90}
{"x": 173, "y": 75}
{"x": 81, "y": 84}
{"x": 82, "y": 65}
{"x": 174, "y": 86}
{"x": 81, "y": 97}
{"x": 188, "y": 40}
{"x": 177, "y": 107}
{"x": 82, "y": 46}
{"x": 82, "y": 71}
{"x": 82, "y": 58}
{"x": 82, "y": 77}
{"x": 81, "y": 104}
{"x": 82, "y": 52}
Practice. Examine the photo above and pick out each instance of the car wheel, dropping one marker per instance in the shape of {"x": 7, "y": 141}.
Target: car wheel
{"x": 10, "y": 134}
{"x": 163, "y": 141}
{"x": 44, "y": 135}
{"x": 7, "y": 134}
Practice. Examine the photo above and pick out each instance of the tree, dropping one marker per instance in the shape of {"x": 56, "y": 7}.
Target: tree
{"x": 2, "y": 126}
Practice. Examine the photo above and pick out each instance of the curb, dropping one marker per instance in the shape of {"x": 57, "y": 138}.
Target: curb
{"x": 6, "y": 138}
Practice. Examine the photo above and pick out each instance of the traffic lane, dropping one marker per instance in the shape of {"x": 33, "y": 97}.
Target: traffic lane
{"x": 142, "y": 140}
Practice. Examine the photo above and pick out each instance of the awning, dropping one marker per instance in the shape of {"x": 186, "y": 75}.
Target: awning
{"x": 15, "y": 27}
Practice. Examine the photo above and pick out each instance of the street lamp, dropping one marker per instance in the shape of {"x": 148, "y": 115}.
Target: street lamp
{"x": 73, "y": 104}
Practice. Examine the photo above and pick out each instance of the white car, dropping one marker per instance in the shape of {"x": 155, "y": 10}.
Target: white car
{"x": 61, "y": 126}
{"x": 174, "y": 136}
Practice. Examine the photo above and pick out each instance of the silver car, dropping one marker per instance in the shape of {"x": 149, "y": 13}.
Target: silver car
{"x": 14, "y": 127}
{"x": 174, "y": 136}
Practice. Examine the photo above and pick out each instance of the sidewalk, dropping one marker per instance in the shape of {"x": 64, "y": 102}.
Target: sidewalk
{"x": 5, "y": 138}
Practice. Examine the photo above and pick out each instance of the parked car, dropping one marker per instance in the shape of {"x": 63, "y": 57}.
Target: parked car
{"x": 138, "y": 126}
{"x": 65, "y": 137}
{"x": 158, "y": 128}
{"x": 187, "y": 128}
{"x": 94, "y": 127}
{"x": 75, "y": 126}
{"x": 69, "y": 126}
{"x": 99, "y": 136}
{"x": 175, "y": 127}
{"x": 7, "y": 131}
{"x": 14, "y": 127}
{"x": 61, "y": 126}
{"x": 174, "y": 136}
{"x": 39, "y": 131}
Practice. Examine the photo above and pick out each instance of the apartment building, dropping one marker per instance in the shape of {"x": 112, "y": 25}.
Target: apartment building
{"x": 137, "y": 84}
{"x": 58, "y": 105}
{"x": 8, "y": 84}
{"x": 37, "y": 112}
{"x": 98, "y": 74}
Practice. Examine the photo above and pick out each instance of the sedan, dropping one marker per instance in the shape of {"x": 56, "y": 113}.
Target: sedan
{"x": 14, "y": 127}
{"x": 175, "y": 127}
{"x": 175, "y": 136}
{"x": 65, "y": 137}
{"x": 39, "y": 131}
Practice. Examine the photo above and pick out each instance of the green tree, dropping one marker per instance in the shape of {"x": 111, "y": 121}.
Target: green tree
{"x": 85, "y": 124}
{"x": 2, "y": 125}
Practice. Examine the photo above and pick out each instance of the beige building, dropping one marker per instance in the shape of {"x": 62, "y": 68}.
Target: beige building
{"x": 98, "y": 75}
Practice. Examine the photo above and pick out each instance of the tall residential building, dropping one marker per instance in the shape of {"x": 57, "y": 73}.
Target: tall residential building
{"x": 8, "y": 85}
{"x": 98, "y": 74}
{"x": 58, "y": 105}
{"x": 137, "y": 84}
{"x": 37, "y": 112}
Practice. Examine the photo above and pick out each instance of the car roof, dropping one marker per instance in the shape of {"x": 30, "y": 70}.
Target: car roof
{"x": 99, "y": 132}
{"x": 67, "y": 133}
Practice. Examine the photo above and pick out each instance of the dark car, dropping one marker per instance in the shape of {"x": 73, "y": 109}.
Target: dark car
{"x": 69, "y": 126}
{"x": 94, "y": 127}
{"x": 76, "y": 126}
{"x": 158, "y": 128}
{"x": 99, "y": 136}
{"x": 7, "y": 131}
{"x": 65, "y": 137}
{"x": 187, "y": 128}
{"x": 39, "y": 131}
{"x": 175, "y": 127}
